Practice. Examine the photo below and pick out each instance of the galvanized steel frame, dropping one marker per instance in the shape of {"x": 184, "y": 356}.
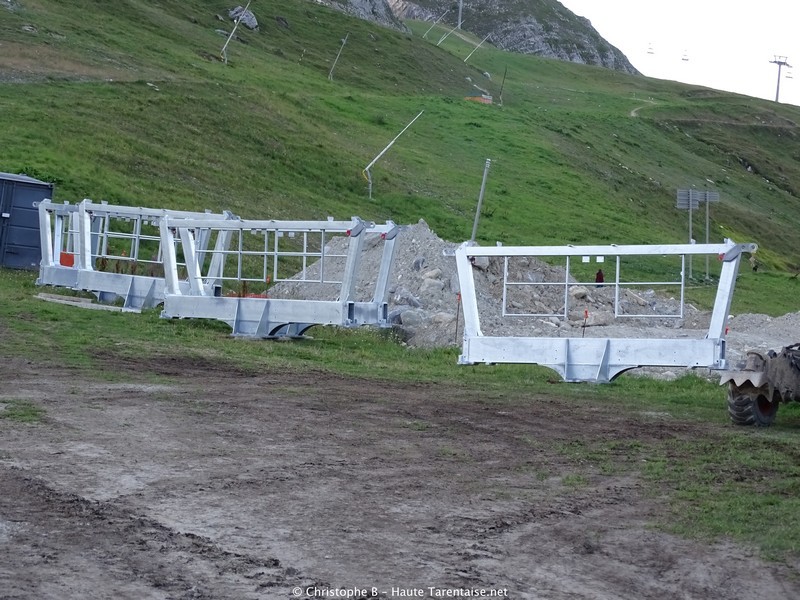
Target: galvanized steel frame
{"x": 599, "y": 359}
{"x": 261, "y": 316}
{"x": 83, "y": 230}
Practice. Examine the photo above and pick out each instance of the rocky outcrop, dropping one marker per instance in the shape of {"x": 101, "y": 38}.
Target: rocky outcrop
{"x": 539, "y": 27}
{"x": 579, "y": 45}
{"x": 404, "y": 9}
{"x": 377, "y": 11}
{"x": 245, "y": 17}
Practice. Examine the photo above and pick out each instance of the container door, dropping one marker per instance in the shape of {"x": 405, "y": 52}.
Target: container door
{"x": 6, "y": 190}
{"x": 19, "y": 230}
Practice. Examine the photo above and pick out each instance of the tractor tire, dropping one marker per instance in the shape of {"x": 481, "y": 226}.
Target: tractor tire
{"x": 750, "y": 406}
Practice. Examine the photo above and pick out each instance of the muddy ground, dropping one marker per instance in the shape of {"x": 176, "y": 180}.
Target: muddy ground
{"x": 211, "y": 483}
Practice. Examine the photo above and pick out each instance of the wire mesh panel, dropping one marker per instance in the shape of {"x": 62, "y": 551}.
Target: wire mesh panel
{"x": 126, "y": 245}
{"x": 267, "y": 256}
{"x": 538, "y": 289}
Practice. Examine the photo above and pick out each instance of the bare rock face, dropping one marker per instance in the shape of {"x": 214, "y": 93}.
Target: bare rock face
{"x": 560, "y": 40}
{"x": 404, "y": 9}
{"x": 540, "y": 27}
{"x": 377, "y": 11}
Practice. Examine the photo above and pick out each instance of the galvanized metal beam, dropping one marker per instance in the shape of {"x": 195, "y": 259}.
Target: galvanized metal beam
{"x": 82, "y": 232}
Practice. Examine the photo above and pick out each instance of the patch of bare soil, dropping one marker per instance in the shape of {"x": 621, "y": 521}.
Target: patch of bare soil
{"x": 20, "y": 63}
{"x": 212, "y": 484}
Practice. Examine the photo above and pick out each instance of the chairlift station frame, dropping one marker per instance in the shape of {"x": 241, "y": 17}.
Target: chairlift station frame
{"x": 192, "y": 258}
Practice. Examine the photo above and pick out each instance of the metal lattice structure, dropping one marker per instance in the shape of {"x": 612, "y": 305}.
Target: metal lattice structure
{"x": 597, "y": 359}
{"x": 112, "y": 251}
{"x": 200, "y": 265}
{"x": 255, "y": 254}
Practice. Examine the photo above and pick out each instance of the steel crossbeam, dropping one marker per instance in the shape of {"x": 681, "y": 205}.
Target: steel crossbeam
{"x": 598, "y": 359}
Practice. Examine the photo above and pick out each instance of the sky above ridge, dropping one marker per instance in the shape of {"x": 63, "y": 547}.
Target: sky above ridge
{"x": 714, "y": 43}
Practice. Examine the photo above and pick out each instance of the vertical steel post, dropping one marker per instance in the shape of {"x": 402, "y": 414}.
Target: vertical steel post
{"x": 170, "y": 259}
{"x": 566, "y": 291}
{"x": 84, "y": 247}
{"x": 722, "y": 303}
{"x": 352, "y": 262}
{"x": 707, "y": 203}
{"x": 46, "y": 233}
{"x": 382, "y": 283}
{"x": 780, "y": 61}
{"x": 192, "y": 267}
{"x": 505, "y": 285}
{"x": 480, "y": 200}
{"x": 616, "y": 290}
{"x": 683, "y": 281}
{"x": 691, "y": 199}
{"x": 472, "y": 322}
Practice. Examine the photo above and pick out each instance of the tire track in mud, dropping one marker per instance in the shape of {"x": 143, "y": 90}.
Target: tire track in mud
{"x": 58, "y": 533}
{"x": 486, "y": 539}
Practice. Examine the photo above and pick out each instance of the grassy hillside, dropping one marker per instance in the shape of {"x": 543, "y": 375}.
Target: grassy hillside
{"x": 129, "y": 102}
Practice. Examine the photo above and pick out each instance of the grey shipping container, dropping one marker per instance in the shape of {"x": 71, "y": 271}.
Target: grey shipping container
{"x": 20, "y": 247}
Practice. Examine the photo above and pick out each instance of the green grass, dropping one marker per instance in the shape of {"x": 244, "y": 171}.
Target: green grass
{"x": 736, "y": 483}
{"x": 742, "y": 485}
{"x": 22, "y": 411}
{"x": 729, "y": 483}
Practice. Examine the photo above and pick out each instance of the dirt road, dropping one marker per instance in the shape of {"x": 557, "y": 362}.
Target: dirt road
{"x": 218, "y": 484}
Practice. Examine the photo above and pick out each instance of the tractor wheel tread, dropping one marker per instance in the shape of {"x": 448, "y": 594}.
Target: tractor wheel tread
{"x": 748, "y": 407}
